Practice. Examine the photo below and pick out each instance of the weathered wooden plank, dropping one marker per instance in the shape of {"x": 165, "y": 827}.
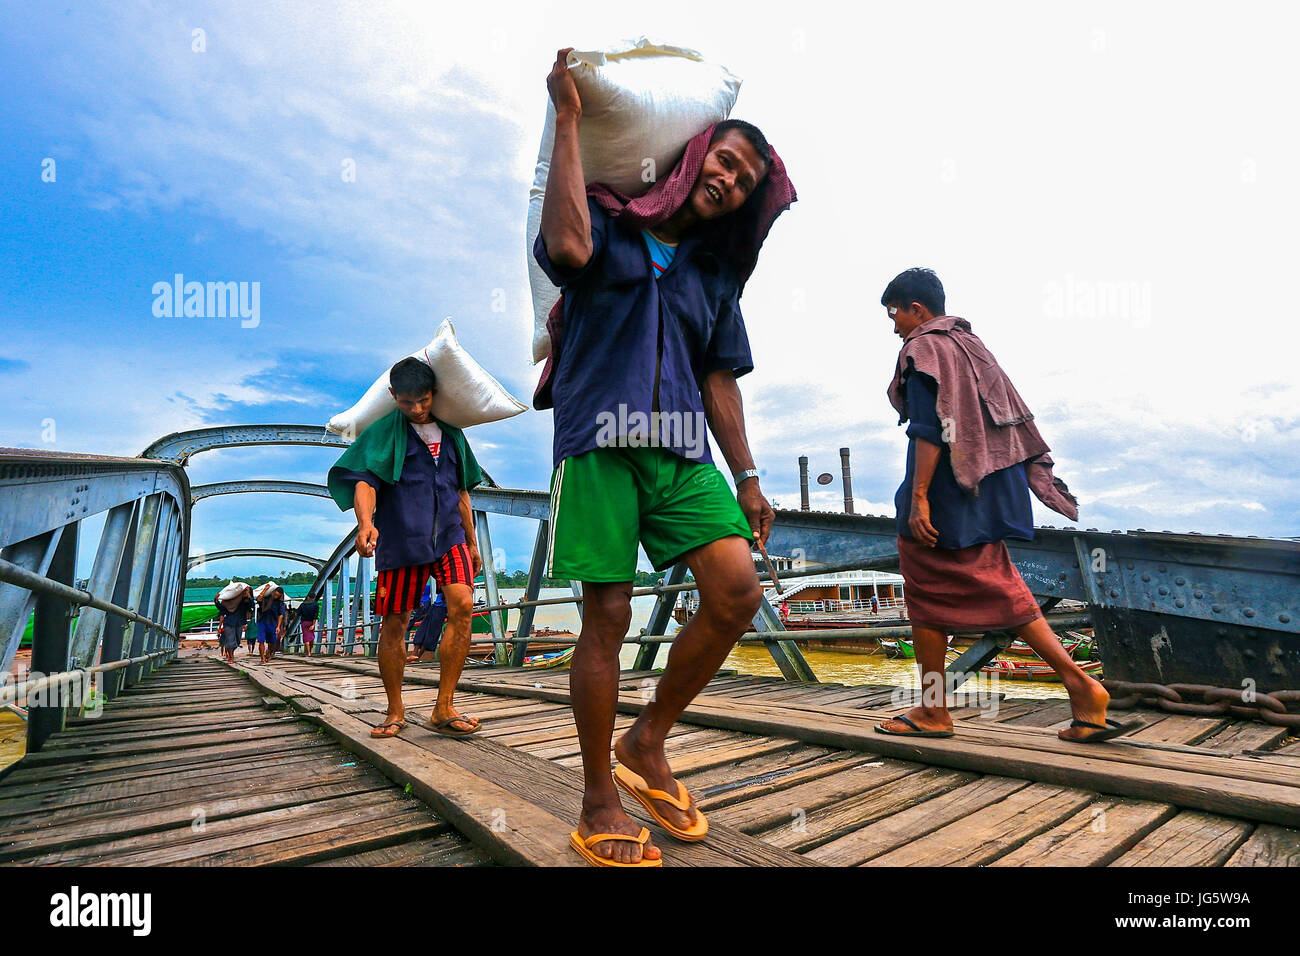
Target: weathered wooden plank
{"x": 1095, "y": 836}
{"x": 1268, "y": 846}
{"x": 1246, "y": 735}
{"x": 1191, "y": 838}
{"x": 448, "y": 849}
{"x": 1177, "y": 728}
{"x": 997, "y": 829}
{"x": 845, "y": 816}
{"x": 108, "y": 749}
{"x": 133, "y": 797}
{"x": 797, "y": 802}
{"x": 885, "y": 834}
{"x": 16, "y": 845}
{"x": 718, "y": 782}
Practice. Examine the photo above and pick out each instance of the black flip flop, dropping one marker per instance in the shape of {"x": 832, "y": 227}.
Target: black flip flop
{"x": 445, "y": 727}
{"x": 1111, "y": 730}
{"x": 916, "y": 731}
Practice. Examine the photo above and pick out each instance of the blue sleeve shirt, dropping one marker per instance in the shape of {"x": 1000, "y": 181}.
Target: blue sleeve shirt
{"x": 418, "y": 518}
{"x": 1001, "y": 510}
{"x": 621, "y": 324}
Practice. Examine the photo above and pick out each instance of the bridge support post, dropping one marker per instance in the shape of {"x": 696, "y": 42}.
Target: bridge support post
{"x": 114, "y": 626}
{"x": 787, "y": 655}
{"x": 484, "y": 535}
{"x": 143, "y": 558}
{"x": 50, "y": 640}
{"x": 660, "y": 615}
{"x": 536, "y": 570}
{"x": 114, "y": 543}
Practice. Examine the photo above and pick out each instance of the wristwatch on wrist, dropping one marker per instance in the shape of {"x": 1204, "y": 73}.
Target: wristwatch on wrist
{"x": 750, "y": 473}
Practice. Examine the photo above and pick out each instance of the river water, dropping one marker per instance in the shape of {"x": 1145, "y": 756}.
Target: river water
{"x": 830, "y": 666}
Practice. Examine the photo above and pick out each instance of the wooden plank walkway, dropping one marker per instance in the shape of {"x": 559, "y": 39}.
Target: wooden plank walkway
{"x": 205, "y": 764}
{"x": 793, "y": 773}
{"x": 192, "y": 767}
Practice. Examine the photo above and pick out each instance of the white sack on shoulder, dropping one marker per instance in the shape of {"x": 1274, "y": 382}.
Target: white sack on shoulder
{"x": 467, "y": 394}
{"x": 642, "y": 102}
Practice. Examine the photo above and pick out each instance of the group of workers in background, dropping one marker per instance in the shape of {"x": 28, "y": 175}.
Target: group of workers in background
{"x": 269, "y": 613}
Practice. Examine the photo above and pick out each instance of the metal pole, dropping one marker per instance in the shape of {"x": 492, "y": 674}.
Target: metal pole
{"x": 115, "y": 626}
{"x": 113, "y": 544}
{"x": 142, "y": 559}
{"x": 803, "y": 483}
{"x": 484, "y": 535}
{"x": 660, "y": 615}
{"x": 536, "y": 569}
{"x": 848, "y": 481}
{"x": 50, "y": 638}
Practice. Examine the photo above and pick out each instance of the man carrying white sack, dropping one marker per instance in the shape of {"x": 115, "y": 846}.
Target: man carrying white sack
{"x": 646, "y": 344}
{"x": 408, "y": 476}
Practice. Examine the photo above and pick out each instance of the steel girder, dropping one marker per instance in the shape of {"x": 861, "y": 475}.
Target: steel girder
{"x": 199, "y": 492}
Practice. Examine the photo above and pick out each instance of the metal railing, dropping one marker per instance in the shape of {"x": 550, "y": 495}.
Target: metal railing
{"x": 123, "y": 622}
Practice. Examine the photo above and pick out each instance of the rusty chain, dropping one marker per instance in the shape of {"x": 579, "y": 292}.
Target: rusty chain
{"x": 1215, "y": 701}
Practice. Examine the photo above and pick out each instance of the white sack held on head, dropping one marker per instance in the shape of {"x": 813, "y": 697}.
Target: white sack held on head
{"x": 641, "y": 103}
{"x": 265, "y": 589}
{"x": 466, "y": 395}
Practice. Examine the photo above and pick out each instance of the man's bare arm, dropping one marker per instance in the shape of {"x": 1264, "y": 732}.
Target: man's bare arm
{"x": 566, "y": 221}
{"x": 471, "y": 538}
{"x": 927, "y": 461}
{"x": 725, "y": 412}
{"x": 363, "y": 503}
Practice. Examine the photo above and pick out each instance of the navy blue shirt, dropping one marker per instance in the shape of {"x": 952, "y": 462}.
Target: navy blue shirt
{"x": 418, "y": 519}
{"x": 1001, "y": 510}
{"x": 616, "y": 316}
{"x": 239, "y": 616}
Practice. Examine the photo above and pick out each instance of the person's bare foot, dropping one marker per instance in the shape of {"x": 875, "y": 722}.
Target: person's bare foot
{"x": 648, "y": 762}
{"x": 611, "y": 818}
{"x": 1088, "y": 702}
{"x": 925, "y": 718}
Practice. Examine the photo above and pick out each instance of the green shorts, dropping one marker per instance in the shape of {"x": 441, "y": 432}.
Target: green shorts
{"x": 604, "y": 500}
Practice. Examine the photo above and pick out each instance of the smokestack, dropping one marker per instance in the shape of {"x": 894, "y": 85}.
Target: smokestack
{"x": 803, "y": 482}
{"x": 848, "y": 481}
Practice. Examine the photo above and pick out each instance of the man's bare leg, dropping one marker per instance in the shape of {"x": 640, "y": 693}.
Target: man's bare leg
{"x": 931, "y": 646}
{"x": 392, "y": 662}
{"x": 1088, "y": 699}
{"x": 593, "y": 687}
{"x": 452, "y": 651}
{"x": 730, "y": 596}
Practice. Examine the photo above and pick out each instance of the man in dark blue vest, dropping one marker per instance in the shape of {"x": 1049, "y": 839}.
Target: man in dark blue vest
{"x": 408, "y": 477}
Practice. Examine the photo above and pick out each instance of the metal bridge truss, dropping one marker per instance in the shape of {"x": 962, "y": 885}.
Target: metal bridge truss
{"x": 130, "y": 605}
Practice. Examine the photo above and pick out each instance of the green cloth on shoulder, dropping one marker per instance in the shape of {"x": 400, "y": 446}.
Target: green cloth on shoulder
{"x": 381, "y": 449}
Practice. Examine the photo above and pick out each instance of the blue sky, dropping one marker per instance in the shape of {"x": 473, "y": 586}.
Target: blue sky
{"x": 1109, "y": 197}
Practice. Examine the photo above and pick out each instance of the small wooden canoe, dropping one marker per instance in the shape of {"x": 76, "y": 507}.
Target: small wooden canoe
{"x": 1031, "y": 670}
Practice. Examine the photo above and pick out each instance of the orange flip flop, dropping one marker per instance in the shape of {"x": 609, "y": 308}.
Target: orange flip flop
{"x": 635, "y": 784}
{"x": 595, "y": 859}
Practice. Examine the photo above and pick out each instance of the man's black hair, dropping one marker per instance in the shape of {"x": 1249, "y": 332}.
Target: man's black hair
{"x": 915, "y": 285}
{"x": 412, "y": 378}
{"x": 750, "y": 132}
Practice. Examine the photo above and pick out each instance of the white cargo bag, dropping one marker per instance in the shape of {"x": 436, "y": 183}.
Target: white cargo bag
{"x": 642, "y": 102}
{"x": 467, "y": 395}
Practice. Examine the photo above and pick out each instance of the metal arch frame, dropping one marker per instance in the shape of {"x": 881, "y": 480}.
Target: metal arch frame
{"x": 196, "y": 559}
{"x": 181, "y": 446}
{"x": 259, "y": 486}
{"x": 131, "y": 604}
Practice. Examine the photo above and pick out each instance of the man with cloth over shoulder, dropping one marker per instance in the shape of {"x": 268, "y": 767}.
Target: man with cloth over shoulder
{"x": 973, "y": 458}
